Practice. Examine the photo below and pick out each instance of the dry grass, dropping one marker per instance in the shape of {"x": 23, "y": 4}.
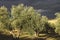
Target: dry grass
{"x": 50, "y": 38}
{"x": 53, "y": 21}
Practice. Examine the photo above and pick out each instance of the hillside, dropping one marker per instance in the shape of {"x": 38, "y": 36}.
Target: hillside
{"x": 25, "y": 23}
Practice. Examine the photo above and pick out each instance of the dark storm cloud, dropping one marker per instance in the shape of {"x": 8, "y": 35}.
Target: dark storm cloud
{"x": 51, "y": 6}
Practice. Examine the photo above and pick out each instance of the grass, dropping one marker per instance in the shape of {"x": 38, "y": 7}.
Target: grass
{"x": 53, "y": 21}
{"x": 50, "y": 38}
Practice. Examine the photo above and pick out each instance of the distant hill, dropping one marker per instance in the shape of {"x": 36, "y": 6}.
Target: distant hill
{"x": 51, "y": 6}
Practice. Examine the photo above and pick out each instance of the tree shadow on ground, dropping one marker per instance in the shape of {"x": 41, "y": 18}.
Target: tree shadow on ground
{"x": 10, "y": 37}
{"x": 7, "y": 37}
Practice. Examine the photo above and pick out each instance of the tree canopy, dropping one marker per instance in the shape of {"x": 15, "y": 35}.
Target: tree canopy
{"x": 25, "y": 19}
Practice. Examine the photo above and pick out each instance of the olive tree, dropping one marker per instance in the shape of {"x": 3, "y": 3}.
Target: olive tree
{"x": 57, "y": 30}
{"x": 57, "y": 26}
{"x": 27, "y": 19}
{"x": 4, "y": 16}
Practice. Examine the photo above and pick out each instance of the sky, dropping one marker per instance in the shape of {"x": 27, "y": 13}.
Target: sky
{"x": 52, "y": 6}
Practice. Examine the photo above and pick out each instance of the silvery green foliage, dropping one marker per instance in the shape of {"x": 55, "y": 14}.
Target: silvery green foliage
{"x": 4, "y": 17}
{"x": 27, "y": 19}
{"x": 57, "y": 30}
